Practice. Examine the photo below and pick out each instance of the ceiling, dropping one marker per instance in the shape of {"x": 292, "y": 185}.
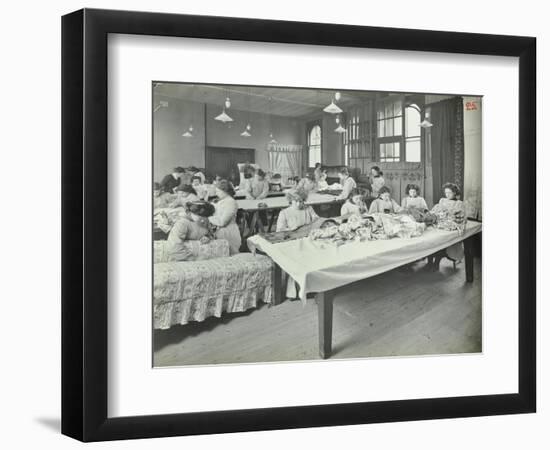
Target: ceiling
{"x": 288, "y": 102}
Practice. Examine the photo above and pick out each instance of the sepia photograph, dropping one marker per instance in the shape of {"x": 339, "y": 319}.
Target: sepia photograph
{"x": 301, "y": 224}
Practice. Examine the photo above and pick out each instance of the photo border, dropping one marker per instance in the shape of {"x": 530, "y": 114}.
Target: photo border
{"x": 84, "y": 224}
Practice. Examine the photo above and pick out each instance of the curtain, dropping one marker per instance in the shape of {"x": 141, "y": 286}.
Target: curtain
{"x": 285, "y": 159}
{"x": 447, "y": 144}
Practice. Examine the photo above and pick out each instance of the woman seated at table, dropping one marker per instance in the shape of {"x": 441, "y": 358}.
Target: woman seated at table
{"x": 193, "y": 227}
{"x": 216, "y": 180}
{"x": 307, "y": 183}
{"x": 377, "y": 180}
{"x": 451, "y": 208}
{"x": 200, "y": 188}
{"x": 257, "y": 187}
{"x": 413, "y": 199}
{"x": 161, "y": 198}
{"x": 355, "y": 204}
{"x": 384, "y": 203}
{"x": 276, "y": 183}
{"x": 297, "y": 214}
{"x": 322, "y": 184}
{"x": 225, "y": 216}
{"x": 185, "y": 194}
{"x": 347, "y": 182}
{"x": 197, "y": 173}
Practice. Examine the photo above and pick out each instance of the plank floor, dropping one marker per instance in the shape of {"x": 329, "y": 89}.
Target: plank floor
{"x": 412, "y": 311}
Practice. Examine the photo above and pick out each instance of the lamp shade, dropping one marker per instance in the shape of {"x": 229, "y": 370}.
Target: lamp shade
{"x": 223, "y": 117}
{"x": 340, "y": 129}
{"x": 332, "y": 108}
{"x": 426, "y": 122}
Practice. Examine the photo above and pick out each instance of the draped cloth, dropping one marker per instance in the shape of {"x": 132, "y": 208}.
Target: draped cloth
{"x": 285, "y": 159}
{"x": 447, "y": 144}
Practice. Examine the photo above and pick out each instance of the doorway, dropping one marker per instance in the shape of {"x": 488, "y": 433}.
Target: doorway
{"x": 223, "y": 161}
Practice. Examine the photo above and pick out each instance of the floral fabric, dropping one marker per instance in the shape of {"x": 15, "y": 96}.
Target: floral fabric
{"x": 192, "y": 291}
{"x": 217, "y": 248}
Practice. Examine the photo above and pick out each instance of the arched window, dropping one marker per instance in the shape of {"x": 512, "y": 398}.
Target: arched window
{"x": 314, "y": 144}
{"x": 399, "y": 131}
{"x": 412, "y": 133}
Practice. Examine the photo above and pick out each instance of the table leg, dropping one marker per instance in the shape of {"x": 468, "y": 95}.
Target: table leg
{"x": 253, "y": 223}
{"x": 278, "y": 287}
{"x": 324, "y": 311}
{"x": 469, "y": 259}
{"x": 271, "y": 220}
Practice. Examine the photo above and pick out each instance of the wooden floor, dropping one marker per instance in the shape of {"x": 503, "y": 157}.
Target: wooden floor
{"x": 411, "y": 311}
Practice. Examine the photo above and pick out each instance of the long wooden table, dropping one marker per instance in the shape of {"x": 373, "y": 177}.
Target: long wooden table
{"x": 324, "y": 271}
{"x": 250, "y": 210}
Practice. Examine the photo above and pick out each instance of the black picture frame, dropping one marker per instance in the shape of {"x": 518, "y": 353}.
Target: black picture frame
{"x": 84, "y": 224}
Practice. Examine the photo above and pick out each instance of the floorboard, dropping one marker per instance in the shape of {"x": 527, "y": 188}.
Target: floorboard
{"x": 412, "y": 311}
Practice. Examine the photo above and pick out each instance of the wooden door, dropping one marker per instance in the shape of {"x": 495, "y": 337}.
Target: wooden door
{"x": 223, "y": 161}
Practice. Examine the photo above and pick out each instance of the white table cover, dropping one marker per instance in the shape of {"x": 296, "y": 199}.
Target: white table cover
{"x": 282, "y": 202}
{"x": 319, "y": 269}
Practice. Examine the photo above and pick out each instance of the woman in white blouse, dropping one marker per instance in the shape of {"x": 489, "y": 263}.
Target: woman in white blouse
{"x": 297, "y": 214}
{"x": 412, "y": 198}
{"x": 225, "y": 216}
{"x": 347, "y": 182}
{"x": 384, "y": 203}
{"x": 377, "y": 180}
{"x": 355, "y": 204}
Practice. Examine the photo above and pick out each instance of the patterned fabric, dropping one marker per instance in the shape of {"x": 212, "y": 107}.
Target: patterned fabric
{"x": 192, "y": 291}
{"x": 214, "y": 249}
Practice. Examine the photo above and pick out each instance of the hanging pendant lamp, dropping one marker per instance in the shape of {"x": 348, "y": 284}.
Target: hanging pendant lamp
{"x": 223, "y": 117}
{"x": 272, "y": 140}
{"x": 189, "y": 132}
{"x": 340, "y": 129}
{"x": 246, "y": 132}
{"x": 426, "y": 122}
{"x": 332, "y": 108}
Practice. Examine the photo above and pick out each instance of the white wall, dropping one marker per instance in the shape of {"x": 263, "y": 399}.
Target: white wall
{"x": 472, "y": 155}
{"x": 30, "y": 289}
{"x": 171, "y": 149}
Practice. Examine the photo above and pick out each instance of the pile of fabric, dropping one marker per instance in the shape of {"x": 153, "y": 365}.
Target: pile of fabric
{"x": 448, "y": 219}
{"x": 368, "y": 228}
{"x": 165, "y": 218}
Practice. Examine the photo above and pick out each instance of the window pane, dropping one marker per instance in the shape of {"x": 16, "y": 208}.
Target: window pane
{"x": 396, "y": 151}
{"x": 314, "y": 155}
{"x": 388, "y": 111}
{"x": 413, "y": 150}
{"x": 381, "y": 128}
{"x": 389, "y": 127}
{"x": 397, "y": 108}
{"x": 397, "y": 123}
{"x": 382, "y": 151}
{"x": 412, "y": 124}
{"x": 390, "y": 150}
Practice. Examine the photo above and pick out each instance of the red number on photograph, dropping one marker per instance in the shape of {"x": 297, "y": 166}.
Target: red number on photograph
{"x": 471, "y": 106}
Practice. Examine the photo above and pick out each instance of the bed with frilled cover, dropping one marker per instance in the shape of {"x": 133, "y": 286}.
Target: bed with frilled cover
{"x": 195, "y": 290}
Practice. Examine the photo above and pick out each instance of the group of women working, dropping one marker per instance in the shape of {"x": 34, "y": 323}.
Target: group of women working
{"x": 204, "y": 220}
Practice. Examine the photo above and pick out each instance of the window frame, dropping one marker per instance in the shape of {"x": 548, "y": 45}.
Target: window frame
{"x": 401, "y": 139}
{"x": 309, "y": 129}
